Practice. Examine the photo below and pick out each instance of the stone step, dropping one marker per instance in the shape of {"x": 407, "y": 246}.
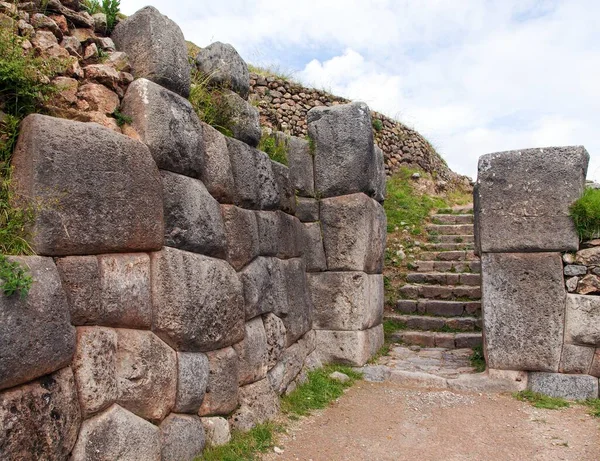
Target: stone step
{"x": 459, "y": 209}
{"x": 451, "y": 238}
{"x": 448, "y": 256}
{"x": 439, "y": 308}
{"x": 436, "y": 339}
{"x": 429, "y": 323}
{"x": 444, "y": 278}
{"x": 448, "y": 246}
{"x": 452, "y": 218}
{"x": 447, "y": 266}
{"x": 449, "y": 292}
{"x": 450, "y": 229}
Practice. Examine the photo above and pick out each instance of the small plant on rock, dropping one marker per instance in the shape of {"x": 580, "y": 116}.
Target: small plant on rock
{"x": 111, "y": 10}
{"x": 274, "y": 147}
{"x": 211, "y": 104}
{"x": 92, "y": 6}
{"x": 377, "y": 124}
{"x": 586, "y": 214}
{"x": 121, "y": 118}
{"x": 13, "y": 278}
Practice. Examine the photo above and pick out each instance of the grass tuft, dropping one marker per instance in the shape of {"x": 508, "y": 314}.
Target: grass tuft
{"x": 121, "y": 118}
{"x": 585, "y": 213}
{"x": 211, "y": 104}
{"x": 377, "y": 124}
{"x": 275, "y": 147}
{"x": 244, "y": 446}
{"x": 478, "y": 359}
{"x": 594, "y": 407}
{"x": 541, "y": 400}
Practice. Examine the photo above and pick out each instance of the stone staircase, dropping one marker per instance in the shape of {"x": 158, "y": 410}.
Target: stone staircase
{"x": 440, "y": 305}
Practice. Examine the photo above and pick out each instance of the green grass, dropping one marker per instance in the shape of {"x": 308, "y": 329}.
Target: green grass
{"x": 318, "y": 391}
{"x": 211, "y": 104}
{"x": 121, "y": 118}
{"x": 477, "y": 359}
{"x": 391, "y": 326}
{"x": 271, "y": 71}
{"x": 377, "y": 124}
{"x": 541, "y": 400}
{"x": 585, "y": 213}
{"x": 404, "y": 204}
{"x": 244, "y": 446}
{"x": 274, "y": 147}
{"x": 594, "y": 407}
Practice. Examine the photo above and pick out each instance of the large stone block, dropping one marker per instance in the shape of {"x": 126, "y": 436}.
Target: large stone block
{"x": 216, "y": 430}
{"x": 117, "y": 434}
{"x": 255, "y": 184}
{"x": 275, "y": 334}
{"x": 84, "y": 182}
{"x": 146, "y": 374}
{"x": 524, "y": 307}
{"x": 182, "y": 438}
{"x": 245, "y": 119}
{"x": 265, "y": 289}
{"x": 297, "y": 313}
{"x": 576, "y": 359}
{"x": 224, "y": 67}
{"x": 168, "y": 125}
{"x": 192, "y": 379}
{"x": 346, "y": 300}
{"x": 379, "y": 178}
{"x": 217, "y": 175}
{"x": 344, "y": 153}
{"x": 582, "y": 324}
{"x": 241, "y": 231}
{"x": 314, "y": 252}
{"x": 109, "y": 290}
{"x": 252, "y": 353}
{"x": 156, "y": 48}
{"x": 353, "y": 348}
{"x": 36, "y": 337}
{"x": 95, "y": 368}
{"x": 258, "y": 404}
{"x": 523, "y": 199}
{"x": 572, "y": 387}
{"x": 221, "y": 396}
{"x": 290, "y": 364}
{"x": 40, "y": 420}
{"x": 354, "y": 233}
{"x": 300, "y": 160}
{"x": 198, "y": 301}
{"x": 193, "y": 220}
{"x": 279, "y": 234}
{"x": 287, "y": 195}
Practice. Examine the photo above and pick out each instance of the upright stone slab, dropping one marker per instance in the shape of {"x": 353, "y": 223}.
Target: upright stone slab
{"x": 524, "y": 307}
{"x": 354, "y": 233}
{"x": 245, "y": 119}
{"x": 198, "y": 301}
{"x": 157, "y": 49}
{"x": 221, "y": 396}
{"x": 344, "y": 155}
{"x": 117, "y": 434}
{"x": 224, "y": 67}
{"x": 258, "y": 404}
{"x": 252, "y": 353}
{"x": 36, "y": 337}
{"x": 192, "y": 379}
{"x": 297, "y": 312}
{"x": 217, "y": 175}
{"x": 379, "y": 178}
{"x": 84, "y": 181}
{"x": 265, "y": 289}
{"x": 40, "y": 420}
{"x": 523, "y": 199}
{"x": 314, "y": 252}
{"x": 582, "y": 324}
{"x": 287, "y": 196}
{"x": 193, "y": 220}
{"x": 300, "y": 161}
{"x": 168, "y": 125}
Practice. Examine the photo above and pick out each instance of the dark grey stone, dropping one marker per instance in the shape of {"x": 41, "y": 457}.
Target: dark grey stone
{"x": 297, "y": 313}
{"x": 572, "y": 387}
{"x": 524, "y": 302}
{"x": 216, "y": 174}
{"x": 300, "y": 161}
{"x": 168, "y": 125}
{"x": 241, "y": 231}
{"x": 182, "y": 438}
{"x": 379, "y": 178}
{"x": 193, "y": 220}
{"x": 36, "y": 336}
{"x": 252, "y": 353}
{"x": 255, "y": 184}
{"x": 264, "y": 286}
{"x": 192, "y": 379}
{"x": 224, "y": 67}
{"x": 344, "y": 155}
{"x": 245, "y": 120}
{"x": 307, "y": 209}
{"x": 573, "y": 270}
{"x": 287, "y": 197}
{"x": 523, "y": 199}
{"x": 314, "y": 254}
{"x": 84, "y": 181}
{"x": 279, "y": 234}
{"x": 198, "y": 301}
{"x": 157, "y": 49}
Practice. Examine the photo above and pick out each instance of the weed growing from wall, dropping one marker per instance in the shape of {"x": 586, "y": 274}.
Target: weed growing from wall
{"x": 377, "y": 124}
{"x": 211, "y": 104}
{"x": 275, "y": 147}
{"x": 586, "y": 214}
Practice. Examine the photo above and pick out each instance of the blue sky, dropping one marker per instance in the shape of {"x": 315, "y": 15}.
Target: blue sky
{"x": 472, "y": 76}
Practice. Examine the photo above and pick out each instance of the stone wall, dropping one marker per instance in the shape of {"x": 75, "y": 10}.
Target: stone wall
{"x": 184, "y": 281}
{"x": 524, "y": 234}
{"x": 283, "y": 105}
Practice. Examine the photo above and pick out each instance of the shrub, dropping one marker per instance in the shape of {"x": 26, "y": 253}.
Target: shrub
{"x": 211, "y": 104}
{"x": 111, "y": 10}
{"x": 275, "y": 148}
{"x": 377, "y": 124}
{"x": 586, "y": 214}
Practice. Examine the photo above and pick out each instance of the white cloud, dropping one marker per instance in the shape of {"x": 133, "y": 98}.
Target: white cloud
{"x": 473, "y": 76}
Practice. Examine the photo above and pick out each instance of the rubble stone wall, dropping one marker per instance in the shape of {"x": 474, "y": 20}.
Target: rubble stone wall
{"x": 183, "y": 280}
{"x": 532, "y": 322}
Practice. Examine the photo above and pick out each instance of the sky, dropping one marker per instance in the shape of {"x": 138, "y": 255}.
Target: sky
{"x": 472, "y": 76}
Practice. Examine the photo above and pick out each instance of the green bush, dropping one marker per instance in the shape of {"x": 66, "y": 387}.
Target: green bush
{"x": 275, "y": 148}
{"x": 211, "y": 104}
{"x": 111, "y": 10}
{"x": 586, "y": 214}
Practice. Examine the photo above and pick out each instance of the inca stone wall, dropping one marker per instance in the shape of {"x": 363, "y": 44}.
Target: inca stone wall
{"x": 283, "y": 105}
{"x": 184, "y": 281}
{"x": 525, "y": 238}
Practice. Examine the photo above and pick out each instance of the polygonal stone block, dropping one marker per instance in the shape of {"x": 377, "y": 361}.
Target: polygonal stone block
{"x": 314, "y": 253}
{"x": 275, "y": 334}
{"x": 221, "y": 396}
{"x": 198, "y": 301}
{"x": 192, "y": 379}
{"x": 353, "y": 348}
{"x": 582, "y": 324}
{"x": 524, "y": 303}
{"x": 252, "y": 353}
{"x": 307, "y": 209}
{"x": 217, "y": 175}
{"x": 297, "y": 312}
{"x": 182, "y": 438}
{"x": 572, "y": 387}
{"x": 300, "y": 161}
{"x": 576, "y": 359}
{"x": 216, "y": 430}
{"x": 287, "y": 196}
{"x": 264, "y": 286}
{"x": 523, "y": 197}
{"x": 241, "y": 231}
{"x": 224, "y": 67}
{"x": 258, "y": 404}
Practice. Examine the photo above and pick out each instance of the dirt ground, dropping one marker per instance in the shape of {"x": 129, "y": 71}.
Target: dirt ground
{"x": 384, "y": 421}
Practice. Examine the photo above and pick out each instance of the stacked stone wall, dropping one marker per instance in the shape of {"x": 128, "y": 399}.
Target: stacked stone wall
{"x": 184, "y": 281}
{"x": 533, "y": 322}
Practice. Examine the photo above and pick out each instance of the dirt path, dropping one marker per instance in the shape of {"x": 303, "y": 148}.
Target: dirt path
{"x": 384, "y": 421}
